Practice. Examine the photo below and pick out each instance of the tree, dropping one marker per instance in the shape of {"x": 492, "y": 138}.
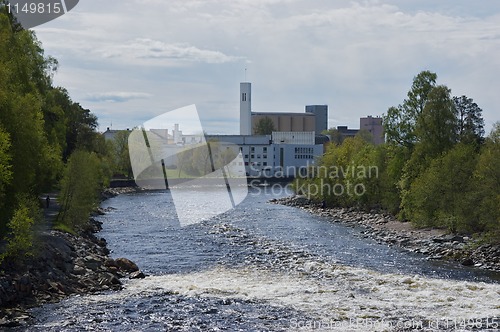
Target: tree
{"x": 437, "y": 124}
{"x": 121, "y": 155}
{"x": 365, "y": 135}
{"x": 81, "y": 133}
{"x": 5, "y": 166}
{"x": 264, "y": 126}
{"x": 487, "y": 184}
{"x": 400, "y": 122}
{"x": 470, "y": 127}
{"x": 80, "y": 186}
{"x": 439, "y": 196}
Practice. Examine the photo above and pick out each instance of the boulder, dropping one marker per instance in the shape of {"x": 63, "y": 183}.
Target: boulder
{"x": 126, "y": 265}
{"x": 467, "y": 262}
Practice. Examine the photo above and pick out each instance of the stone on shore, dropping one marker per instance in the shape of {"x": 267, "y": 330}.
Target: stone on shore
{"x": 126, "y": 265}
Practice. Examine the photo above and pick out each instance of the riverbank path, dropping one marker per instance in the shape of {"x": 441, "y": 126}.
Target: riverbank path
{"x": 50, "y": 210}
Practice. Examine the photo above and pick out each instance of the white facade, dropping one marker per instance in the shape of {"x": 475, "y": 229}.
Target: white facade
{"x": 245, "y": 108}
{"x": 266, "y": 156}
{"x": 292, "y": 137}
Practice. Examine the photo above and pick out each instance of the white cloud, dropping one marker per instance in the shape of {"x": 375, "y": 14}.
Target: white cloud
{"x": 117, "y": 97}
{"x": 148, "y": 51}
{"x": 358, "y": 57}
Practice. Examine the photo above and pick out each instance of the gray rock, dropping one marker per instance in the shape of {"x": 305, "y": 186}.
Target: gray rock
{"x": 91, "y": 262}
{"x": 137, "y": 275}
{"x": 107, "y": 278}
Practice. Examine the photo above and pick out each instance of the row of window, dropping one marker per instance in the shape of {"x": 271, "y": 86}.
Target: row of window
{"x": 304, "y": 150}
{"x": 257, "y": 163}
{"x": 264, "y": 149}
{"x": 304, "y": 156}
{"x": 252, "y": 156}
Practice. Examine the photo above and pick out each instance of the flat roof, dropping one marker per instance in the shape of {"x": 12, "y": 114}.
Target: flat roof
{"x": 282, "y": 113}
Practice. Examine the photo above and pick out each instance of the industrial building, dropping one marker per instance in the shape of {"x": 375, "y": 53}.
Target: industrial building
{"x": 293, "y": 144}
{"x": 315, "y": 117}
{"x": 286, "y": 121}
{"x": 370, "y": 124}
{"x": 374, "y": 126}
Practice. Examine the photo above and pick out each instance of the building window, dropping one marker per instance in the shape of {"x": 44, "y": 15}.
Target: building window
{"x": 252, "y": 149}
{"x": 264, "y": 163}
{"x": 258, "y": 156}
{"x": 264, "y": 156}
{"x": 246, "y": 156}
{"x": 264, "y": 149}
{"x": 252, "y": 156}
{"x": 243, "y": 97}
{"x": 246, "y": 163}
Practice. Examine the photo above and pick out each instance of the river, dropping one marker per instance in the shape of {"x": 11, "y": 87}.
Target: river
{"x": 267, "y": 267}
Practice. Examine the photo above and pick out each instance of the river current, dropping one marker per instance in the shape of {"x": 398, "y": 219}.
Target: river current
{"x": 267, "y": 267}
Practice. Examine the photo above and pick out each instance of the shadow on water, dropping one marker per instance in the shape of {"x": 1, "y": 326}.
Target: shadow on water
{"x": 144, "y": 228}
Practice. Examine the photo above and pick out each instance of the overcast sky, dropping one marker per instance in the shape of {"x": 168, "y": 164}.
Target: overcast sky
{"x": 130, "y": 60}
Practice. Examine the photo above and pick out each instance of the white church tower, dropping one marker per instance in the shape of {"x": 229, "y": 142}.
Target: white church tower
{"x": 245, "y": 108}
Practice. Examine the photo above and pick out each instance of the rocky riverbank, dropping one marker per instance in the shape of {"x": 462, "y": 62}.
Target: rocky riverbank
{"x": 64, "y": 265}
{"x": 434, "y": 243}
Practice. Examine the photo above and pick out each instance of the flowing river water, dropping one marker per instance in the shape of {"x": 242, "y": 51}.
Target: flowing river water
{"x": 267, "y": 267}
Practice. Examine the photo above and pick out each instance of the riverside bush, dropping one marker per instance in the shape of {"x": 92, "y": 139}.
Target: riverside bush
{"x": 80, "y": 186}
{"x": 20, "y": 242}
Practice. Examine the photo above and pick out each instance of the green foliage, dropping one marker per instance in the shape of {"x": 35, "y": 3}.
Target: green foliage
{"x": 395, "y": 158}
{"x": 365, "y": 135}
{"x": 40, "y": 126}
{"x": 264, "y": 126}
{"x": 345, "y": 171}
{"x": 470, "y": 122}
{"x": 21, "y": 236}
{"x": 82, "y": 180}
{"x": 486, "y": 184}
{"x": 25, "y": 77}
{"x": 5, "y": 166}
{"x": 20, "y": 243}
{"x": 437, "y": 124}
{"x": 438, "y": 197}
{"x": 120, "y": 154}
{"x": 436, "y": 169}
{"x": 400, "y": 122}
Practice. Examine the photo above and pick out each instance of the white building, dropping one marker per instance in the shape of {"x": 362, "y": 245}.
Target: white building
{"x": 281, "y": 154}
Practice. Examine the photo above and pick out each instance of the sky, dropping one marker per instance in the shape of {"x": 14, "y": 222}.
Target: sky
{"x": 131, "y": 60}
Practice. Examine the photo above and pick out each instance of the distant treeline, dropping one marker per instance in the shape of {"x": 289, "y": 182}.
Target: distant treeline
{"x": 47, "y": 142}
{"x": 435, "y": 170}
